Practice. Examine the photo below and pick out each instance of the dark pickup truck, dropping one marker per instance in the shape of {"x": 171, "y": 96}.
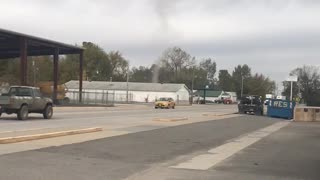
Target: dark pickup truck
{"x": 251, "y": 104}
{"x": 23, "y": 100}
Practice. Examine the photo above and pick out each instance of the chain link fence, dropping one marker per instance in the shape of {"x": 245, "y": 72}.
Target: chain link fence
{"x": 99, "y": 97}
{"x": 89, "y": 97}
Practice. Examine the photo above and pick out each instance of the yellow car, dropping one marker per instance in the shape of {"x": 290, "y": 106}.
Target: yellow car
{"x": 165, "y": 103}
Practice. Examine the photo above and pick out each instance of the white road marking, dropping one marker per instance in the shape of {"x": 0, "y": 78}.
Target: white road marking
{"x": 220, "y": 153}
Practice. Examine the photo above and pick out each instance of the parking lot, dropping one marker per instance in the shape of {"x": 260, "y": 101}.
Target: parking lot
{"x": 122, "y": 119}
{"x": 140, "y": 142}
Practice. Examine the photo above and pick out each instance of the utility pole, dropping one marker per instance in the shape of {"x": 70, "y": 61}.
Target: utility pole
{"x": 241, "y": 86}
{"x": 292, "y": 79}
{"x": 127, "y": 97}
{"x": 291, "y": 91}
{"x": 192, "y": 87}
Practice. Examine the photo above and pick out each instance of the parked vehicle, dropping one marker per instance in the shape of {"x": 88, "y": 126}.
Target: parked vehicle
{"x": 165, "y": 103}
{"x": 251, "y": 104}
{"x": 227, "y": 101}
{"x": 23, "y": 100}
{"x": 46, "y": 88}
{"x": 218, "y": 101}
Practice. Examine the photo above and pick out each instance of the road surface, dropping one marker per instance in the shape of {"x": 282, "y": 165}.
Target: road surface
{"x": 233, "y": 147}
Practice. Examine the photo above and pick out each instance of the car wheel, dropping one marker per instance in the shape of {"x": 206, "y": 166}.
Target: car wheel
{"x": 48, "y": 112}
{"x": 173, "y": 106}
{"x": 156, "y": 107}
{"x": 23, "y": 112}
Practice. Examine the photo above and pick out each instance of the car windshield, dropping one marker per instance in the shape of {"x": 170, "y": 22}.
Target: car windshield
{"x": 250, "y": 100}
{"x": 20, "y": 92}
{"x": 163, "y": 99}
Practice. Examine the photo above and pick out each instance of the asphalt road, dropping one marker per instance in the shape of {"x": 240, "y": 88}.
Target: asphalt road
{"x": 288, "y": 153}
{"x": 122, "y": 116}
{"x": 125, "y": 156}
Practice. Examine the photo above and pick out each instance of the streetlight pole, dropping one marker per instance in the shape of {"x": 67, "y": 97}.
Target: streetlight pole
{"x": 291, "y": 91}
{"x": 127, "y": 97}
{"x": 192, "y": 87}
{"x": 241, "y": 86}
{"x": 292, "y": 79}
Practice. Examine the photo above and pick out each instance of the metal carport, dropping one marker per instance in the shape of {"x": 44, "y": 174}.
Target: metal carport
{"x": 15, "y": 45}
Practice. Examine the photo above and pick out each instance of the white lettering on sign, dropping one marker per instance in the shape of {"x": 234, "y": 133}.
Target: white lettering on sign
{"x": 280, "y": 104}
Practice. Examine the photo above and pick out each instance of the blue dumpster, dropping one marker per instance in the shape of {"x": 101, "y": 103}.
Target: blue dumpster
{"x": 280, "y": 108}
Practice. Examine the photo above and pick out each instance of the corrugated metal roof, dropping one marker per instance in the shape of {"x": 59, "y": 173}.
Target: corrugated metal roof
{"x": 122, "y": 86}
{"x": 10, "y": 45}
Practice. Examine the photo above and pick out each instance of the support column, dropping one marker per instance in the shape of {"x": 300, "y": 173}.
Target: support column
{"x": 23, "y": 61}
{"x": 80, "y": 75}
{"x": 55, "y": 74}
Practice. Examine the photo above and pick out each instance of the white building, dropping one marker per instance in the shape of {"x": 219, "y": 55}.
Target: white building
{"x": 137, "y": 92}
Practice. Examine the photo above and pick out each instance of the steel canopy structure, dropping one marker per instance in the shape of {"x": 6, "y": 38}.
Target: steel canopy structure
{"x": 18, "y": 45}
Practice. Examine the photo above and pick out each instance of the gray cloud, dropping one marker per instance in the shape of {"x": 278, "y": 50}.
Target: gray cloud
{"x": 271, "y": 36}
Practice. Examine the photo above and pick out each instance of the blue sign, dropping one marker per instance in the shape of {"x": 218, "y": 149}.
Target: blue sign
{"x": 280, "y": 108}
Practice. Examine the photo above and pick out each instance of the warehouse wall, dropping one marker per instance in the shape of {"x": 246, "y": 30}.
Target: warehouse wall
{"x": 181, "y": 96}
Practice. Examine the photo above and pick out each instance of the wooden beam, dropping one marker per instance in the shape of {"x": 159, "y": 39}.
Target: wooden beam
{"x": 23, "y": 61}
{"x": 55, "y": 74}
{"x": 80, "y": 75}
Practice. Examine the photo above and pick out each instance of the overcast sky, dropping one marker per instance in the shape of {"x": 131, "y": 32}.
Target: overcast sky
{"x": 271, "y": 36}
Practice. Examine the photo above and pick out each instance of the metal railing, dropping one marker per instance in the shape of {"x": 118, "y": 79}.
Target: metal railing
{"x": 99, "y": 97}
{"x": 89, "y": 97}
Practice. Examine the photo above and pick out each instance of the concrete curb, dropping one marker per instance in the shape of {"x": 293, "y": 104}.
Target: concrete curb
{"x": 170, "y": 119}
{"x": 8, "y": 140}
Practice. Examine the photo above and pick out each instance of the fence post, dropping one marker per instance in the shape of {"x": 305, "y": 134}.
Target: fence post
{"x": 114, "y": 94}
{"x": 107, "y": 97}
{"x": 73, "y": 95}
{"x": 102, "y": 97}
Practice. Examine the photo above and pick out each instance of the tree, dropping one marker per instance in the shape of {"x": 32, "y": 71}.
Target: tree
{"x": 176, "y": 59}
{"x": 10, "y": 71}
{"x": 260, "y": 85}
{"x": 210, "y": 67}
{"x": 308, "y": 83}
{"x": 238, "y": 73}
{"x": 141, "y": 74}
{"x": 225, "y": 80}
{"x": 98, "y": 65}
{"x": 118, "y": 66}
{"x": 41, "y": 71}
{"x": 96, "y": 62}
{"x": 69, "y": 68}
